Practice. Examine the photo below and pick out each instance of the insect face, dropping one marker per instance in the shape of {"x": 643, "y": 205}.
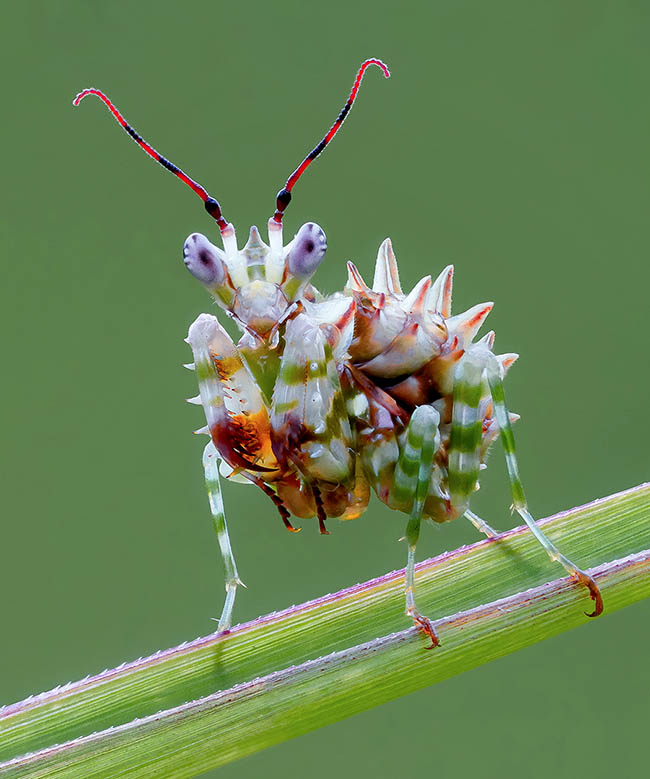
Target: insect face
{"x": 259, "y": 284}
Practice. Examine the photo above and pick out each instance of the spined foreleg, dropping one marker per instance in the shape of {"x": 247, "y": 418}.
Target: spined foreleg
{"x": 238, "y": 425}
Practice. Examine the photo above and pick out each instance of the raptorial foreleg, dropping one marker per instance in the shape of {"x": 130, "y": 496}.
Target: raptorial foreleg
{"x": 234, "y": 407}
{"x": 309, "y": 420}
{"x": 238, "y": 425}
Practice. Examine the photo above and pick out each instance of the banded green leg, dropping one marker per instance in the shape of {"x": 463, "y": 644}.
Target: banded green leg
{"x": 480, "y": 524}
{"x": 464, "y": 452}
{"x": 518, "y": 497}
{"x": 213, "y": 485}
{"x": 411, "y": 484}
{"x": 465, "y": 441}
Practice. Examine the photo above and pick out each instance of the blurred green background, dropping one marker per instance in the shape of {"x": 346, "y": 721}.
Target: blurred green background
{"x": 511, "y": 140}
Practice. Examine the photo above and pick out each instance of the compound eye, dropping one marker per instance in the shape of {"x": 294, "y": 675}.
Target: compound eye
{"x": 204, "y": 260}
{"x": 307, "y": 251}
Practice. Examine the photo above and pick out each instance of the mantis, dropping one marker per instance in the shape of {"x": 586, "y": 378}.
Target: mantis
{"x": 326, "y": 398}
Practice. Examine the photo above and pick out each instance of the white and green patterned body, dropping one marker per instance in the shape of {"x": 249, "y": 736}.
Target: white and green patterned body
{"x": 325, "y": 399}
{"x": 315, "y": 399}
{"x": 365, "y": 389}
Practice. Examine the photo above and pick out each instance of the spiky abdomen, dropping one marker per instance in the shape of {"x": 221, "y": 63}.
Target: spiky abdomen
{"x": 404, "y": 354}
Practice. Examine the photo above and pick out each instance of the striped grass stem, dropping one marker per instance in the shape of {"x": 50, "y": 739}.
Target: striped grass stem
{"x": 293, "y": 671}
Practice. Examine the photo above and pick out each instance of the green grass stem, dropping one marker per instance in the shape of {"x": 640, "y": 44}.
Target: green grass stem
{"x": 186, "y": 710}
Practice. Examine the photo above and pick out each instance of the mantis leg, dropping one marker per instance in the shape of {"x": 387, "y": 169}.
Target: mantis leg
{"x": 231, "y": 401}
{"x": 308, "y": 416}
{"x": 464, "y": 452}
{"x": 518, "y": 497}
{"x": 480, "y": 524}
{"x": 412, "y": 478}
{"x": 213, "y": 485}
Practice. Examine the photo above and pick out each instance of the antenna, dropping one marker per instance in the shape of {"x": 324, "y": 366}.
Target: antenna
{"x": 284, "y": 195}
{"x": 211, "y": 205}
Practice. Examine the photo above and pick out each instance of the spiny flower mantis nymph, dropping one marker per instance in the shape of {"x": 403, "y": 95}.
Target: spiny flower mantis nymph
{"x": 324, "y": 397}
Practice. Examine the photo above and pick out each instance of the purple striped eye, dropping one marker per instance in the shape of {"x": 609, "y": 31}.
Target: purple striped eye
{"x": 204, "y": 260}
{"x": 307, "y": 251}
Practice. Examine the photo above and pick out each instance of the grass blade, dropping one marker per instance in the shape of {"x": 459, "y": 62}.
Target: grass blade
{"x": 355, "y": 670}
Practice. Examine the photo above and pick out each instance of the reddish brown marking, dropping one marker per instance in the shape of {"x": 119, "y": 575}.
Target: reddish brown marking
{"x": 320, "y": 511}
{"x": 418, "y": 305}
{"x": 287, "y": 444}
{"x": 229, "y": 439}
{"x": 424, "y": 624}
{"x": 226, "y": 367}
{"x": 446, "y": 295}
{"x": 489, "y": 339}
{"x": 358, "y": 497}
{"x": 296, "y": 496}
{"x": 277, "y": 502}
{"x": 246, "y": 434}
{"x": 345, "y": 317}
{"x": 357, "y": 284}
{"x": 364, "y": 345}
{"x": 480, "y": 315}
{"x": 417, "y": 389}
{"x": 594, "y": 592}
{"x": 371, "y": 390}
{"x": 287, "y": 441}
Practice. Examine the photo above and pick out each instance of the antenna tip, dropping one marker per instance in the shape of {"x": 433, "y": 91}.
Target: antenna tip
{"x": 81, "y": 96}
{"x": 378, "y": 63}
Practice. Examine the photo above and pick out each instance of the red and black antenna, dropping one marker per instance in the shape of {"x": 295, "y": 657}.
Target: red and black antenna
{"x": 284, "y": 195}
{"x": 211, "y": 205}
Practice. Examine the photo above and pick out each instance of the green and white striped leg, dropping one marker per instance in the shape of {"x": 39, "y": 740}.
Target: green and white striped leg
{"x": 518, "y": 497}
{"x": 213, "y": 485}
{"x": 464, "y": 451}
{"x": 411, "y": 482}
{"x": 465, "y": 440}
{"x": 480, "y": 524}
